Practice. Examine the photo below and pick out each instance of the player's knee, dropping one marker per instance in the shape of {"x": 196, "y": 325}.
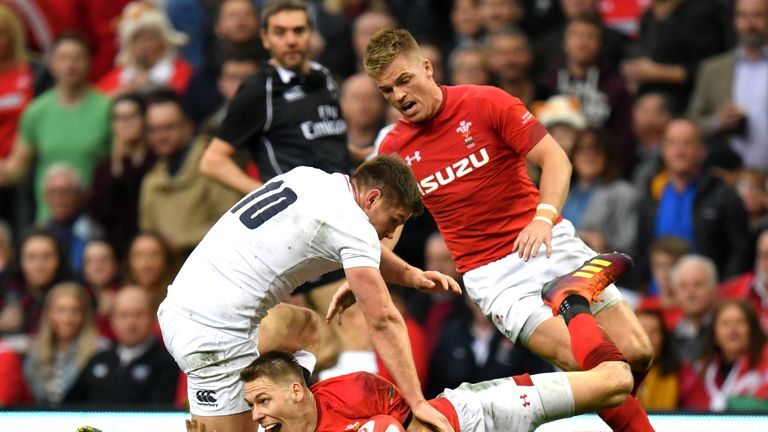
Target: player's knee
{"x": 311, "y": 328}
{"x": 564, "y": 359}
{"x": 619, "y": 382}
{"x": 640, "y": 355}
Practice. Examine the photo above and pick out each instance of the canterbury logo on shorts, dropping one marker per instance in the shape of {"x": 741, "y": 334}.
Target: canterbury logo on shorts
{"x": 206, "y": 397}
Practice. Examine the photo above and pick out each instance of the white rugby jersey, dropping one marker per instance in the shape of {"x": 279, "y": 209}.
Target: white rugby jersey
{"x": 294, "y": 228}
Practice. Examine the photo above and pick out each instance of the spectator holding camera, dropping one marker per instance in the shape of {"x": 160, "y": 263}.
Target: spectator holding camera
{"x": 729, "y": 100}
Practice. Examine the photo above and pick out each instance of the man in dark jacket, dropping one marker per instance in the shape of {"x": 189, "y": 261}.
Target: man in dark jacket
{"x": 138, "y": 369}
{"x": 692, "y": 204}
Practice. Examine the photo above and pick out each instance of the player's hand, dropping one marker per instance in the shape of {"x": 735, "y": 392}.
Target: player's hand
{"x": 194, "y": 426}
{"x": 531, "y": 238}
{"x": 435, "y": 282}
{"x": 343, "y": 299}
{"x": 428, "y": 415}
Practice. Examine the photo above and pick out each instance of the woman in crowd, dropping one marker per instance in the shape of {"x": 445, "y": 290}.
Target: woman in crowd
{"x": 148, "y": 52}
{"x": 65, "y": 342}
{"x": 733, "y": 372}
{"x": 151, "y": 264}
{"x": 660, "y": 390}
{"x": 16, "y": 90}
{"x": 43, "y": 264}
{"x": 117, "y": 178}
{"x": 601, "y": 206}
{"x": 101, "y": 277}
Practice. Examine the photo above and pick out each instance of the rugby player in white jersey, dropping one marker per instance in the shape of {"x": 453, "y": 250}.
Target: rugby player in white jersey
{"x": 294, "y": 228}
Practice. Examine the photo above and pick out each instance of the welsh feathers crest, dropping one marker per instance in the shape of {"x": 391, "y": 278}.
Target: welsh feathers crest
{"x": 463, "y": 129}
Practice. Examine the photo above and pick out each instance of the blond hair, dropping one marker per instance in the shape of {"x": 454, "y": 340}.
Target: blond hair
{"x": 18, "y": 37}
{"x": 385, "y": 46}
{"x": 44, "y": 346}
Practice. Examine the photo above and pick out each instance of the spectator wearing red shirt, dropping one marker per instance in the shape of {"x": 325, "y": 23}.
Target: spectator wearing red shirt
{"x": 16, "y": 90}
{"x": 753, "y": 286}
{"x": 13, "y": 389}
{"x": 733, "y": 373}
{"x": 148, "y": 52}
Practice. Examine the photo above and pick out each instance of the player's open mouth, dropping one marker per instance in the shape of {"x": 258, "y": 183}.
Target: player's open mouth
{"x": 274, "y": 427}
{"x": 408, "y": 105}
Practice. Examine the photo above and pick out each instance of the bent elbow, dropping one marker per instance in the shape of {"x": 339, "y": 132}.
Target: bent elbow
{"x": 207, "y": 164}
{"x": 382, "y": 320}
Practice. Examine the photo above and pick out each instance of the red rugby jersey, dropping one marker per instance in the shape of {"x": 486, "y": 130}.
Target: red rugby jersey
{"x": 469, "y": 161}
{"x": 346, "y": 402}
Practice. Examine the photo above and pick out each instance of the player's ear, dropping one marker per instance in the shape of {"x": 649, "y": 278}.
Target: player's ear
{"x": 297, "y": 392}
{"x": 371, "y": 196}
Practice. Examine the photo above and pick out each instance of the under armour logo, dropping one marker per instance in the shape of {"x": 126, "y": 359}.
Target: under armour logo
{"x": 415, "y": 158}
{"x": 206, "y": 396}
{"x": 525, "y": 400}
{"x": 499, "y": 319}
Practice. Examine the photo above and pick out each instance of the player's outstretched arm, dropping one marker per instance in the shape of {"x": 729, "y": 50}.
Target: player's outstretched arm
{"x": 217, "y": 163}
{"x": 394, "y": 270}
{"x": 553, "y": 189}
{"x": 390, "y": 340}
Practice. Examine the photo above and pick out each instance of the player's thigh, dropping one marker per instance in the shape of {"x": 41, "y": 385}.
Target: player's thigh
{"x": 509, "y": 290}
{"x": 289, "y": 328}
{"x": 241, "y": 422}
{"x": 212, "y": 360}
{"x": 215, "y": 390}
{"x": 622, "y": 326}
{"x": 604, "y": 386}
{"x": 552, "y": 341}
{"x": 519, "y": 403}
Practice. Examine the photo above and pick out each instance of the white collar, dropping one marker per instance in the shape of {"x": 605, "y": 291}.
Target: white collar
{"x": 286, "y": 74}
{"x": 129, "y": 354}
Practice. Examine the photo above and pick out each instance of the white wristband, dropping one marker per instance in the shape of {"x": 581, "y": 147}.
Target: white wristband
{"x": 548, "y": 207}
{"x": 544, "y": 219}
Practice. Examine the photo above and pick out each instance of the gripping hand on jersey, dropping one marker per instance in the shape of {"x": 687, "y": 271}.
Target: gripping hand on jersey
{"x": 429, "y": 415}
{"x": 531, "y": 238}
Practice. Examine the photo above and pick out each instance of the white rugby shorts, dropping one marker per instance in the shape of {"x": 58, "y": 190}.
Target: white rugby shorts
{"x": 508, "y": 291}
{"x": 212, "y": 360}
{"x": 520, "y": 403}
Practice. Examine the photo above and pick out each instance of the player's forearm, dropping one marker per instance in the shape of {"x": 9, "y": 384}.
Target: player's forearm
{"x": 554, "y": 183}
{"x": 390, "y": 340}
{"x": 395, "y": 270}
{"x": 225, "y": 171}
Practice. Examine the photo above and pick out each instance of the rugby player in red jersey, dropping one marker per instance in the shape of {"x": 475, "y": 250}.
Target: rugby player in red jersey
{"x": 468, "y": 146}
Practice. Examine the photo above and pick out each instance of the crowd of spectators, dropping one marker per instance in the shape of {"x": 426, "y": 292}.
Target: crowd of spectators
{"x": 107, "y": 108}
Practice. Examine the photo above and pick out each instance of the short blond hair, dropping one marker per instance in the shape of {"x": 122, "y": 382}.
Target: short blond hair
{"x": 384, "y": 46}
